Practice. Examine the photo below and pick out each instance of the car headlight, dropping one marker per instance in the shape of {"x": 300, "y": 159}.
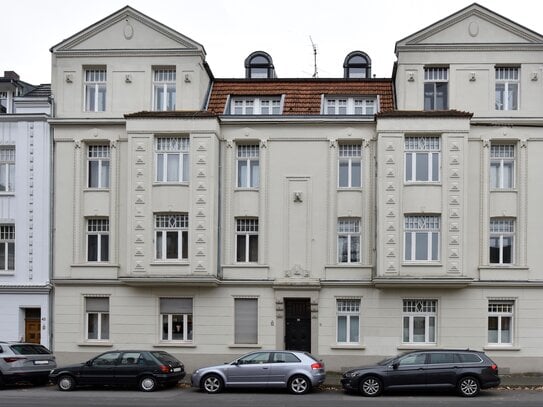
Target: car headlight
{"x": 352, "y": 374}
{"x": 195, "y": 372}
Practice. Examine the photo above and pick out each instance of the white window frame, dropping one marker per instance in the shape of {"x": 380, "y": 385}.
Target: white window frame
{"x": 98, "y": 227}
{"x": 419, "y": 308}
{"x": 187, "y": 322}
{"x": 7, "y": 239}
{"x": 422, "y": 224}
{"x": 416, "y": 146}
{"x": 348, "y": 308}
{"x": 172, "y": 146}
{"x": 435, "y": 76}
{"x": 349, "y": 228}
{"x": 349, "y": 153}
{"x": 164, "y": 79}
{"x": 509, "y": 77}
{"x": 502, "y": 228}
{"x": 95, "y": 80}
{"x": 248, "y": 154}
{"x": 5, "y": 100}
{"x": 501, "y": 310}
{"x": 168, "y": 223}
{"x": 7, "y": 167}
{"x": 350, "y": 105}
{"x": 269, "y": 106}
{"x": 99, "y": 153}
{"x": 500, "y": 156}
{"x": 99, "y": 314}
{"x": 246, "y": 227}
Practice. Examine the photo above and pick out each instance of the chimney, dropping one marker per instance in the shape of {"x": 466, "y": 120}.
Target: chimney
{"x": 11, "y": 75}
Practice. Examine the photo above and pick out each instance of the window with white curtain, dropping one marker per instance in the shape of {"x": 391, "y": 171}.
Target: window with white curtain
{"x": 348, "y": 320}
{"x": 164, "y": 89}
{"x": 176, "y": 319}
{"x": 171, "y": 236}
{"x": 422, "y": 238}
{"x": 248, "y": 167}
{"x": 7, "y": 169}
{"x": 7, "y": 247}
{"x": 97, "y": 318}
{"x": 98, "y": 166}
{"x": 500, "y": 322}
{"x": 502, "y": 237}
{"x": 502, "y": 166}
{"x": 95, "y": 83}
{"x": 350, "y": 166}
{"x": 507, "y": 88}
{"x": 422, "y": 159}
{"x": 172, "y": 159}
{"x": 419, "y": 321}
{"x": 348, "y": 240}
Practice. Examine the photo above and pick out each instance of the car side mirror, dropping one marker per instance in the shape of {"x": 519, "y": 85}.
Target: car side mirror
{"x": 89, "y": 362}
{"x": 235, "y": 363}
{"x": 395, "y": 365}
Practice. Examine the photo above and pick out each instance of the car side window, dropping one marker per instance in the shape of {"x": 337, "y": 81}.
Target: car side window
{"x": 130, "y": 358}
{"x": 255, "y": 358}
{"x": 107, "y": 359}
{"x": 285, "y": 357}
{"x": 437, "y": 358}
{"x": 414, "y": 359}
{"x": 469, "y": 358}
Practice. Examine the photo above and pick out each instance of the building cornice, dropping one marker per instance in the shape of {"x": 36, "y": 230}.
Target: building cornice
{"x": 24, "y": 117}
{"x": 88, "y": 121}
{"x": 192, "y": 280}
{"x": 409, "y": 282}
{"x": 306, "y": 119}
{"x": 128, "y": 53}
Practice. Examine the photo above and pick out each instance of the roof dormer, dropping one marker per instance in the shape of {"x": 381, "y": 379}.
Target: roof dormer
{"x": 357, "y": 65}
{"x": 259, "y": 65}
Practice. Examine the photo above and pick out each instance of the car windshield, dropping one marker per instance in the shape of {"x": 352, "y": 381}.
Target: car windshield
{"x": 25, "y": 349}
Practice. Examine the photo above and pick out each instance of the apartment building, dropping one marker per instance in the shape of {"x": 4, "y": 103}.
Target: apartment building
{"x": 352, "y": 217}
{"x": 25, "y": 210}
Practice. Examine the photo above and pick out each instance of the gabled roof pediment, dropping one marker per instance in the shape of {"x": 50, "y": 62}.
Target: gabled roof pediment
{"x": 471, "y": 26}
{"x": 127, "y": 29}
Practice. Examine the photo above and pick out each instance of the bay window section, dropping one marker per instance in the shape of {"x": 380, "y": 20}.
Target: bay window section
{"x": 171, "y": 236}
{"x": 422, "y": 159}
{"x": 98, "y": 240}
{"x": 246, "y": 240}
{"x": 350, "y": 166}
{"x": 502, "y": 166}
{"x": 502, "y": 235}
{"x": 422, "y": 238}
{"x": 172, "y": 159}
{"x": 248, "y": 166}
{"x": 348, "y": 243}
{"x": 98, "y": 166}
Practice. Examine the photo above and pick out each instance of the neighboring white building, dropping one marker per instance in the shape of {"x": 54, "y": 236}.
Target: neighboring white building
{"x": 210, "y": 217}
{"x": 25, "y": 211}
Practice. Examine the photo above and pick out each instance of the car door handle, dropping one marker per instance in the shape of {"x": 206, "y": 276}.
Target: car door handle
{"x": 265, "y": 368}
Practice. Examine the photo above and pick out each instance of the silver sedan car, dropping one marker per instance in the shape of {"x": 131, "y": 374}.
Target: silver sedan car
{"x": 299, "y": 372}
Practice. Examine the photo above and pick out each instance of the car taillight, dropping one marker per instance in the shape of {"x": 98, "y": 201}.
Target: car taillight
{"x": 11, "y": 360}
{"x": 494, "y": 367}
{"x": 316, "y": 366}
{"x": 165, "y": 369}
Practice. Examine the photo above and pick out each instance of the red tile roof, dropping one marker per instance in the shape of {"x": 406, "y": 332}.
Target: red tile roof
{"x": 302, "y": 96}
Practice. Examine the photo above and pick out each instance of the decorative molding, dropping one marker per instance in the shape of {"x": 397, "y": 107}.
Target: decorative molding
{"x": 297, "y": 272}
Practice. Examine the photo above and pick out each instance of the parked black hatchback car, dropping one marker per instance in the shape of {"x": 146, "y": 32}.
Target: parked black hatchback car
{"x": 145, "y": 369}
{"x": 466, "y": 371}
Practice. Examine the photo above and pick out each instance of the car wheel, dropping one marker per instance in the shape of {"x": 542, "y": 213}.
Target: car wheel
{"x": 371, "y": 386}
{"x": 468, "y": 386}
{"x": 148, "y": 383}
{"x": 212, "y": 384}
{"x": 299, "y": 384}
{"x": 66, "y": 383}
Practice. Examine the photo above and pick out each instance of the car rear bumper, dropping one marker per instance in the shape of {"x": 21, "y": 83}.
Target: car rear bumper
{"x": 487, "y": 384}
{"x": 318, "y": 379}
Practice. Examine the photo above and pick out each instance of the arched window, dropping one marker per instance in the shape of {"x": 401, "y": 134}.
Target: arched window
{"x": 259, "y": 65}
{"x": 357, "y": 65}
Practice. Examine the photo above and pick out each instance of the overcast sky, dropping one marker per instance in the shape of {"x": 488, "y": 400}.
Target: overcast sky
{"x": 231, "y": 29}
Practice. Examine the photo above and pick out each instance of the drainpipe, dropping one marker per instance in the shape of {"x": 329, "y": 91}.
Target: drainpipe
{"x": 52, "y": 223}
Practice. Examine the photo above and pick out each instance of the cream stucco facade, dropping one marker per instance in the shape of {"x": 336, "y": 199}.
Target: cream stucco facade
{"x": 291, "y": 288}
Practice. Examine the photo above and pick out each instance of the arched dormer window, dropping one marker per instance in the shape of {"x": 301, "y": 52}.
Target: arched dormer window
{"x": 357, "y": 65}
{"x": 259, "y": 65}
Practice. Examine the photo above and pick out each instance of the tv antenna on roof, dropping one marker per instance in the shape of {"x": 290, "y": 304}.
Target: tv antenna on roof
{"x": 315, "y": 72}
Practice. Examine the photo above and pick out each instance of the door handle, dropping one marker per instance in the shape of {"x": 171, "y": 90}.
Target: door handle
{"x": 265, "y": 368}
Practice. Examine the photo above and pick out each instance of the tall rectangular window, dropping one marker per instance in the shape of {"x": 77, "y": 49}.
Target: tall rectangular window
{"x": 245, "y": 320}
{"x": 500, "y": 322}
{"x": 348, "y": 240}
{"x": 7, "y": 169}
{"x": 348, "y": 321}
{"x": 247, "y": 240}
{"x": 502, "y": 236}
{"x": 422, "y": 238}
{"x": 436, "y": 88}
{"x": 507, "y": 88}
{"x": 171, "y": 237}
{"x": 164, "y": 89}
{"x": 350, "y": 166}
{"x": 7, "y": 247}
{"x": 98, "y": 239}
{"x": 172, "y": 159}
{"x": 419, "y": 321}
{"x": 95, "y": 90}
{"x": 98, "y": 166}
{"x": 176, "y": 319}
{"x": 502, "y": 166}
{"x": 422, "y": 159}
{"x": 97, "y": 318}
{"x": 248, "y": 166}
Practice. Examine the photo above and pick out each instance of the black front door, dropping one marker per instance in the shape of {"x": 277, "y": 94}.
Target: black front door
{"x": 298, "y": 324}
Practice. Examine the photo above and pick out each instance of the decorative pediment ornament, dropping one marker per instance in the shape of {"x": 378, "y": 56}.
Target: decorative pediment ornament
{"x": 297, "y": 272}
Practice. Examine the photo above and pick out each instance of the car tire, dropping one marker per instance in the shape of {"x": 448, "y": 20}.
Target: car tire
{"x": 147, "y": 383}
{"x": 212, "y": 384}
{"x": 468, "y": 386}
{"x": 370, "y": 386}
{"x": 299, "y": 384}
{"x": 66, "y": 383}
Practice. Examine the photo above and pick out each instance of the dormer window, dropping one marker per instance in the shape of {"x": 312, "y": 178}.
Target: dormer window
{"x": 4, "y": 103}
{"x": 259, "y": 65}
{"x": 350, "y": 105}
{"x": 255, "y": 105}
{"x": 357, "y": 65}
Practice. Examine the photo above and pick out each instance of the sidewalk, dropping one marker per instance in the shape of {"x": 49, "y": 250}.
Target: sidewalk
{"x": 509, "y": 380}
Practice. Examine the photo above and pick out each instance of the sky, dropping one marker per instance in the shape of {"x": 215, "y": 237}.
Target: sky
{"x": 230, "y": 30}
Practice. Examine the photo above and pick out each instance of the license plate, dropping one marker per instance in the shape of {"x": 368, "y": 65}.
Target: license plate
{"x": 41, "y": 362}
{"x": 176, "y": 369}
